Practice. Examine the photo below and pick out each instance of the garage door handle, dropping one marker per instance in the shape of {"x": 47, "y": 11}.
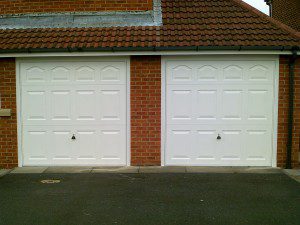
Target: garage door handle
{"x": 219, "y": 137}
{"x": 73, "y": 137}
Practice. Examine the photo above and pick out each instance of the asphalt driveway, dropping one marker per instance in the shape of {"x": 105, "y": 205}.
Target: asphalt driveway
{"x": 142, "y": 199}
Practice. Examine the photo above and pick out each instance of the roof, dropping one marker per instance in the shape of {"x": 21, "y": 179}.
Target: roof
{"x": 186, "y": 24}
{"x": 287, "y": 13}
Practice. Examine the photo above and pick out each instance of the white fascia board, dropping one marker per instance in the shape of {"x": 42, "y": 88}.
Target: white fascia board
{"x": 128, "y": 53}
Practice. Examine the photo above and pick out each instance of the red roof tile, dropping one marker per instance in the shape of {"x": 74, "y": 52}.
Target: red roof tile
{"x": 186, "y": 23}
{"x": 287, "y": 12}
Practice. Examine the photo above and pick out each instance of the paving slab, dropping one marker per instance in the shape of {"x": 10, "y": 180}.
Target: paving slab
{"x": 4, "y": 172}
{"x": 29, "y": 169}
{"x": 207, "y": 169}
{"x": 162, "y": 169}
{"x": 124, "y": 169}
{"x": 265, "y": 170}
{"x": 293, "y": 173}
{"x": 63, "y": 169}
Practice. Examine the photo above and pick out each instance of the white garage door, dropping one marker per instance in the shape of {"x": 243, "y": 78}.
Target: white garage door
{"x": 73, "y": 112}
{"x": 219, "y": 112}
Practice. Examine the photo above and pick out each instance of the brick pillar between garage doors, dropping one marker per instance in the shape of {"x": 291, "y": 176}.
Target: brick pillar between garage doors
{"x": 145, "y": 106}
{"x": 8, "y": 125}
{"x": 283, "y": 113}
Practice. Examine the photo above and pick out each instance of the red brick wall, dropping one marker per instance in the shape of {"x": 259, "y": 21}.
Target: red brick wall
{"x": 287, "y": 11}
{"x": 283, "y": 113}
{"x": 25, "y": 6}
{"x": 145, "y": 110}
{"x": 8, "y": 125}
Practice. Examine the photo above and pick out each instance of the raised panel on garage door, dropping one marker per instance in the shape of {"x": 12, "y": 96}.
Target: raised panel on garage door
{"x": 231, "y": 145}
{"x": 87, "y": 100}
{"x": 206, "y": 147}
{"x": 258, "y": 142}
{"x": 85, "y": 144}
{"x": 112, "y": 103}
{"x": 86, "y": 104}
{"x": 34, "y": 99}
{"x": 231, "y": 104}
{"x": 113, "y": 142}
{"x": 207, "y": 96}
{"x": 180, "y": 145}
{"x": 181, "y": 108}
{"x": 219, "y": 112}
{"x": 61, "y": 103}
{"x": 61, "y": 146}
{"x": 36, "y": 153}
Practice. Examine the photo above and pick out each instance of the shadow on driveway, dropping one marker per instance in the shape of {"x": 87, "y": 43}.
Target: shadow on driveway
{"x": 156, "y": 199}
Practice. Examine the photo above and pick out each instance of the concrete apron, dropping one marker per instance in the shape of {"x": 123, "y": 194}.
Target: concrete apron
{"x": 294, "y": 173}
{"x": 147, "y": 169}
{"x": 4, "y": 172}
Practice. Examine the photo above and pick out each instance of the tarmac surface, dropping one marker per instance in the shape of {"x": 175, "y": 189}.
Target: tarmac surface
{"x": 149, "y": 198}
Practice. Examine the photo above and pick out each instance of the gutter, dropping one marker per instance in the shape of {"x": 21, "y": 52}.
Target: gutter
{"x": 292, "y": 61}
{"x": 150, "y": 49}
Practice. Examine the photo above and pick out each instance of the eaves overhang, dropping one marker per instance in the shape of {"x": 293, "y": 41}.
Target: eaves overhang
{"x": 188, "y": 50}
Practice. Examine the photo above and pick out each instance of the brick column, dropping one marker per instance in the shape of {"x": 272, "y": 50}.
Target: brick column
{"x": 145, "y": 106}
{"x": 283, "y": 113}
{"x": 8, "y": 125}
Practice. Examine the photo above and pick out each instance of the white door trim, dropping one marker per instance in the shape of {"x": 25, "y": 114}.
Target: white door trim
{"x": 128, "y": 115}
{"x": 164, "y": 59}
{"x": 19, "y": 114}
{"x": 275, "y": 118}
{"x": 76, "y": 59}
{"x": 163, "y": 110}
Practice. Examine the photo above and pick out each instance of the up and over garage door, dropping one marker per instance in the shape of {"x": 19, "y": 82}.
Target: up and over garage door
{"x": 73, "y": 112}
{"x": 219, "y": 112}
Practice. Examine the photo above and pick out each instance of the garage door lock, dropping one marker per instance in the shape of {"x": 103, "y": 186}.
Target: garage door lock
{"x": 219, "y": 137}
{"x": 73, "y": 137}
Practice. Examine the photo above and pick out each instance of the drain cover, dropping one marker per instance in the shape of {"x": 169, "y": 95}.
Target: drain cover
{"x": 50, "y": 181}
